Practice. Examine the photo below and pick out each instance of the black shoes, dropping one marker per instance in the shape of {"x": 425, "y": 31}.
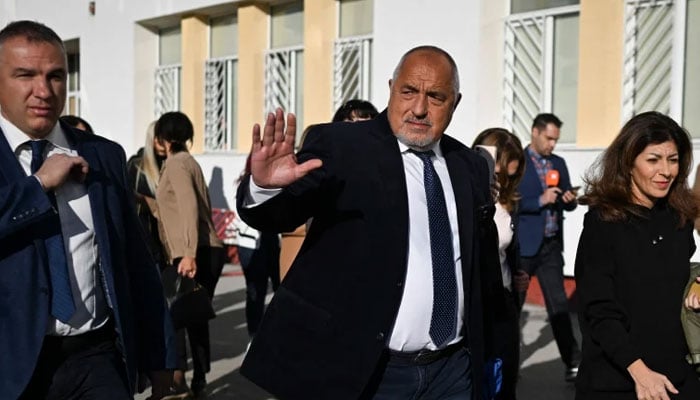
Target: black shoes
{"x": 198, "y": 387}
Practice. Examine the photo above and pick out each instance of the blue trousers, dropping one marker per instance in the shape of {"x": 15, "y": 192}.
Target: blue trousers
{"x": 445, "y": 379}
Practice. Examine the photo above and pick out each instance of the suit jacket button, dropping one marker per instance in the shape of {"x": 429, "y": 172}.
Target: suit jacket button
{"x": 380, "y": 336}
{"x": 399, "y": 284}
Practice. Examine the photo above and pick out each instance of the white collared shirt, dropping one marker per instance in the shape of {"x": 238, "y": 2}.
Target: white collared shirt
{"x": 77, "y": 226}
{"x": 411, "y": 329}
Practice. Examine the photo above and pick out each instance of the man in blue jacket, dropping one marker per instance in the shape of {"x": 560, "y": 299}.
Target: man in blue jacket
{"x": 546, "y": 193}
{"x": 81, "y": 305}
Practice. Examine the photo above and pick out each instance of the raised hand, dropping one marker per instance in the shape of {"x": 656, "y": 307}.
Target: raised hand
{"x": 272, "y": 160}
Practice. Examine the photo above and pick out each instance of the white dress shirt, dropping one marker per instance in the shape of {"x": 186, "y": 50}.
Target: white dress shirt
{"x": 505, "y": 236}
{"x": 91, "y": 310}
{"x": 411, "y": 329}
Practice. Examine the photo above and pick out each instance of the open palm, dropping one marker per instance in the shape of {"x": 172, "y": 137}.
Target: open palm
{"x": 272, "y": 161}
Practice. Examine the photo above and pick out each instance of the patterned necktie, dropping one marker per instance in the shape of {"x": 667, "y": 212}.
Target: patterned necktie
{"x": 62, "y": 306}
{"x": 443, "y": 322}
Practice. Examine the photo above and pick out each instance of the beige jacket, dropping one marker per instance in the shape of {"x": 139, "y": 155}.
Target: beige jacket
{"x": 183, "y": 208}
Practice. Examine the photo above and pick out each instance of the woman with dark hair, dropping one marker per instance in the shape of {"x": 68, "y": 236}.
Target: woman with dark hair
{"x": 632, "y": 266}
{"x": 355, "y": 110}
{"x": 509, "y": 169}
{"x": 77, "y": 122}
{"x": 188, "y": 234}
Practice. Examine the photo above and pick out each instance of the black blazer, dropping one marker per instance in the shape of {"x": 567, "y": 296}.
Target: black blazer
{"x": 330, "y": 320}
{"x": 130, "y": 279}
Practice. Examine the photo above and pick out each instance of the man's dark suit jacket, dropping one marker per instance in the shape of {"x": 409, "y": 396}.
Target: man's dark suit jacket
{"x": 531, "y": 215}
{"x": 330, "y": 320}
{"x": 131, "y": 280}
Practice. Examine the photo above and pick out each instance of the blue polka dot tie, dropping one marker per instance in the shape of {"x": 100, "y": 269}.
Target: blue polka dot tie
{"x": 62, "y": 306}
{"x": 443, "y": 322}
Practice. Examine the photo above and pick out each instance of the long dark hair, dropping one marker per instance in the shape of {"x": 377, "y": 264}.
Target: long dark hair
{"x": 508, "y": 149}
{"x": 609, "y": 180}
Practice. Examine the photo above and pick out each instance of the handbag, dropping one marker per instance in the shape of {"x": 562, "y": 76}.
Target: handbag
{"x": 188, "y": 301}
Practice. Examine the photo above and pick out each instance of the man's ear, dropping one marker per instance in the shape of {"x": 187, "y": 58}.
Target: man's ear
{"x": 457, "y": 100}
{"x": 391, "y": 81}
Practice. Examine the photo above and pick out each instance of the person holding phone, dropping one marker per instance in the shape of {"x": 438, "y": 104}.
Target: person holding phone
{"x": 543, "y": 201}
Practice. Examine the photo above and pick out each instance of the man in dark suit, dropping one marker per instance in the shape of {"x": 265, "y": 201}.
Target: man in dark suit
{"x": 540, "y": 212}
{"x": 387, "y": 285}
{"x": 81, "y": 304}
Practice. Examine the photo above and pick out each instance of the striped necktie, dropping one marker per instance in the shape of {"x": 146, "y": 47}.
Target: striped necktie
{"x": 62, "y": 306}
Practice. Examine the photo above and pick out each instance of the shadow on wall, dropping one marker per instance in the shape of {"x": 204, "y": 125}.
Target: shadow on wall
{"x": 216, "y": 189}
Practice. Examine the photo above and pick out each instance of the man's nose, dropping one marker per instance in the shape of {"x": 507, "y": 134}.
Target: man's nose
{"x": 42, "y": 88}
{"x": 420, "y": 106}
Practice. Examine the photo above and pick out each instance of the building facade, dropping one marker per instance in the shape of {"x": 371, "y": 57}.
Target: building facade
{"x": 226, "y": 64}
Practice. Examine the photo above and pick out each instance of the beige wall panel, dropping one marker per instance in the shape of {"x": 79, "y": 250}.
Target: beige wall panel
{"x": 145, "y": 62}
{"x": 600, "y": 72}
{"x": 320, "y": 26}
{"x": 195, "y": 31}
{"x": 253, "y": 30}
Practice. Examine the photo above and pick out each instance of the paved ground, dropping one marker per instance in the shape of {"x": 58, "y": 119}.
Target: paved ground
{"x": 542, "y": 373}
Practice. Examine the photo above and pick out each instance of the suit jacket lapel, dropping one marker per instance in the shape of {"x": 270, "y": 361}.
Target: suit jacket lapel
{"x": 395, "y": 195}
{"x": 9, "y": 166}
{"x": 462, "y": 186}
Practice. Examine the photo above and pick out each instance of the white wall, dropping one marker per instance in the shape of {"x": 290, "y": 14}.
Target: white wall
{"x": 400, "y": 25}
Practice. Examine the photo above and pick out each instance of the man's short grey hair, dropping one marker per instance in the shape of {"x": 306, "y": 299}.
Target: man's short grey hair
{"x": 432, "y": 49}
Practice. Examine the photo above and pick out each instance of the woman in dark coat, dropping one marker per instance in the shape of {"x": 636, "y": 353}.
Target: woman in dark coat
{"x": 633, "y": 263}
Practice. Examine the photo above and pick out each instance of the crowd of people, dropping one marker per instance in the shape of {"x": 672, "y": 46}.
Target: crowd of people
{"x": 410, "y": 282}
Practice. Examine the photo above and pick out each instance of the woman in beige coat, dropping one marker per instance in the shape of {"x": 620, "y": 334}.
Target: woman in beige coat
{"x": 188, "y": 234}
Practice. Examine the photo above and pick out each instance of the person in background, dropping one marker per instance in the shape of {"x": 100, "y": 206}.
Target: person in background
{"x": 509, "y": 169}
{"x": 355, "y": 110}
{"x": 83, "y": 311}
{"x": 77, "y": 122}
{"x": 143, "y": 173}
{"x": 387, "y": 287}
{"x": 632, "y": 265}
{"x": 540, "y": 231}
{"x": 259, "y": 255}
{"x": 190, "y": 241}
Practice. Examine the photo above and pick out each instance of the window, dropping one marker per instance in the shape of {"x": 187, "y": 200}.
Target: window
{"x": 168, "y": 73}
{"x": 541, "y": 69}
{"x": 521, "y": 6}
{"x": 221, "y": 74}
{"x": 73, "y": 84}
{"x": 284, "y": 62}
{"x": 648, "y": 60}
{"x": 352, "y": 55}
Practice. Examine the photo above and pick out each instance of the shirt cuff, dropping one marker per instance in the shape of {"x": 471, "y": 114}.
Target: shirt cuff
{"x": 257, "y": 195}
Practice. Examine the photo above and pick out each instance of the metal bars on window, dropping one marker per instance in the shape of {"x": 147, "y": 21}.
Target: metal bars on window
{"x": 529, "y": 66}
{"x": 351, "y": 69}
{"x": 167, "y": 90}
{"x": 219, "y": 104}
{"x": 648, "y": 57}
{"x": 281, "y": 78}
{"x": 524, "y": 71}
